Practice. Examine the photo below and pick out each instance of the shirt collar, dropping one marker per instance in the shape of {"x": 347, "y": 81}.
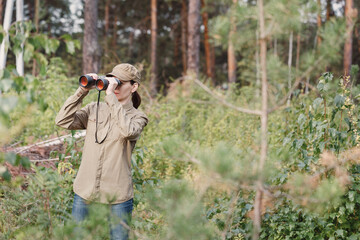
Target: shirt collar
{"x": 128, "y": 105}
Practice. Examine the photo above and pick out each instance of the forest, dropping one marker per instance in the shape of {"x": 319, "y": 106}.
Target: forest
{"x": 253, "y": 119}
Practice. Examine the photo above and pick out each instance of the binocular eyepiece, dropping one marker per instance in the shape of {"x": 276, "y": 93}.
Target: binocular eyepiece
{"x": 101, "y": 83}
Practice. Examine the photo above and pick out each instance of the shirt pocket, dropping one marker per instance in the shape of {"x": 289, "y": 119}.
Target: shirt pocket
{"x": 103, "y": 125}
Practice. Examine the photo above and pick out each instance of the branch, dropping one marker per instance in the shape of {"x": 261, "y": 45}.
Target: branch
{"x": 50, "y": 142}
{"x": 137, "y": 234}
{"x": 224, "y": 102}
{"x": 230, "y": 214}
{"x": 48, "y": 160}
{"x": 298, "y": 80}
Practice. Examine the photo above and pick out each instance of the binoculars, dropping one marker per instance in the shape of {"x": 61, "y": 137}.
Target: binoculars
{"x": 101, "y": 83}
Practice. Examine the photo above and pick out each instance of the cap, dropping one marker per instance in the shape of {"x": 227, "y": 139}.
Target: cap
{"x": 126, "y": 72}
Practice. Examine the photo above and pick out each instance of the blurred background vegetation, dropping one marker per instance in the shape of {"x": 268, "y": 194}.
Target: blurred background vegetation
{"x": 195, "y": 166}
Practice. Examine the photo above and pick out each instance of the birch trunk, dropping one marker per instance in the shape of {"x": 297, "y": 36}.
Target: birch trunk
{"x": 153, "y": 80}
{"x": 6, "y": 26}
{"x": 20, "y": 30}
{"x": 264, "y": 124}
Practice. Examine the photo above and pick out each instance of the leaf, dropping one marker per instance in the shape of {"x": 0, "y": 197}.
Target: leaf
{"x": 340, "y": 232}
{"x": 66, "y": 37}
{"x": 350, "y": 206}
{"x": 28, "y": 52}
{"x": 299, "y": 143}
{"x": 6, "y": 84}
{"x": 6, "y": 175}
{"x": 8, "y": 103}
{"x": 13, "y": 158}
{"x": 70, "y": 47}
{"x": 317, "y": 102}
{"x": 351, "y": 196}
{"x": 339, "y": 101}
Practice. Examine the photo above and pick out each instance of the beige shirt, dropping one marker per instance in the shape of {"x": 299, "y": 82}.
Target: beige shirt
{"x": 105, "y": 170}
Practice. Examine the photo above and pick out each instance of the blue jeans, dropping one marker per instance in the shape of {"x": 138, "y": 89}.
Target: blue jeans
{"x": 122, "y": 211}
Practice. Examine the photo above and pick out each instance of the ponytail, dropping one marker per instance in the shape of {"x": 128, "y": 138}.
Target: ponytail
{"x": 136, "y": 99}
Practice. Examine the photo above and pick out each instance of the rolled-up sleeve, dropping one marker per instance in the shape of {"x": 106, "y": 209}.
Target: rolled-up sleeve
{"x": 71, "y": 116}
{"x": 131, "y": 125}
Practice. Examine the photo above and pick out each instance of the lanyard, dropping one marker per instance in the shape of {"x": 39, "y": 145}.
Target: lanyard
{"x": 97, "y": 115}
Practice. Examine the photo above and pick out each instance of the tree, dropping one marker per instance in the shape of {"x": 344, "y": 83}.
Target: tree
{"x": 20, "y": 29}
{"x": 350, "y": 14}
{"x": 231, "y": 50}
{"x": 1, "y": 10}
{"x": 319, "y": 22}
{"x": 153, "y": 81}
{"x": 6, "y": 25}
{"x": 264, "y": 122}
{"x": 184, "y": 33}
{"x": 91, "y": 52}
{"x": 193, "y": 37}
{"x": 205, "y": 18}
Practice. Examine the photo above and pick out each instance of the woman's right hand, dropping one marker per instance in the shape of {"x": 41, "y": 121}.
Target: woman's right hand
{"x": 94, "y": 76}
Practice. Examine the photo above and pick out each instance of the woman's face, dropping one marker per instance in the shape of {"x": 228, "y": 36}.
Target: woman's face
{"x": 124, "y": 91}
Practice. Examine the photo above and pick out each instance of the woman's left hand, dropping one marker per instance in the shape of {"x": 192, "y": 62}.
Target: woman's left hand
{"x": 112, "y": 85}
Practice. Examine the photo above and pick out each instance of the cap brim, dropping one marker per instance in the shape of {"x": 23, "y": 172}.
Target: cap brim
{"x": 122, "y": 78}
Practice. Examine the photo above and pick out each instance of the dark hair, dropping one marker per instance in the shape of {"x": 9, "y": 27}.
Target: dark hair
{"x": 136, "y": 99}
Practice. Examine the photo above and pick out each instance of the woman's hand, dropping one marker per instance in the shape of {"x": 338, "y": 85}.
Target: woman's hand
{"x": 112, "y": 85}
{"x": 94, "y": 76}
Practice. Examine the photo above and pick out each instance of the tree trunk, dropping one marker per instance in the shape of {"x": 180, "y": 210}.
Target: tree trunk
{"x": 328, "y": 10}
{"x": 91, "y": 53}
{"x": 184, "y": 33}
{"x": 1, "y": 10}
{"x": 106, "y": 30}
{"x": 36, "y": 22}
{"x": 290, "y": 64}
{"x": 319, "y": 22}
{"x": 176, "y": 44}
{"x": 6, "y": 26}
{"x": 298, "y": 42}
{"x": 107, "y": 14}
{"x": 275, "y": 47}
{"x": 264, "y": 124}
{"x": 193, "y": 37}
{"x": 350, "y": 13}
{"x": 114, "y": 37}
{"x": 231, "y": 51}
{"x": 153, "y": 80}
{"x": 205, "y": 18}
{"x": 131, "y": 44}
{"x": 20, "y": 29}
{"x": 257, "y": 59}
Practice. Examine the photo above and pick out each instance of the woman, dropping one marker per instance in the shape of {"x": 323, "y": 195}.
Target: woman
{"x": 105, "y": 171}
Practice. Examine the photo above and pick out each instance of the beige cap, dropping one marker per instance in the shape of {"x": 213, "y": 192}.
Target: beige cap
{"x": 126, "y": 72}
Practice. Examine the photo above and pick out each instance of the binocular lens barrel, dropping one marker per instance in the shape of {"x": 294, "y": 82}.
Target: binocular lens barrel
{"x": 101, "y": 83}
{"x": 86, "y": 81}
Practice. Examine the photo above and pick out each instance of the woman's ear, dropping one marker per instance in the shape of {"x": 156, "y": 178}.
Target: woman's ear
{"x": 134, "y": 87}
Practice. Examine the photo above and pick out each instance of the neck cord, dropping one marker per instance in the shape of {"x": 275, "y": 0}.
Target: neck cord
{"x": 97, "y": 115}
